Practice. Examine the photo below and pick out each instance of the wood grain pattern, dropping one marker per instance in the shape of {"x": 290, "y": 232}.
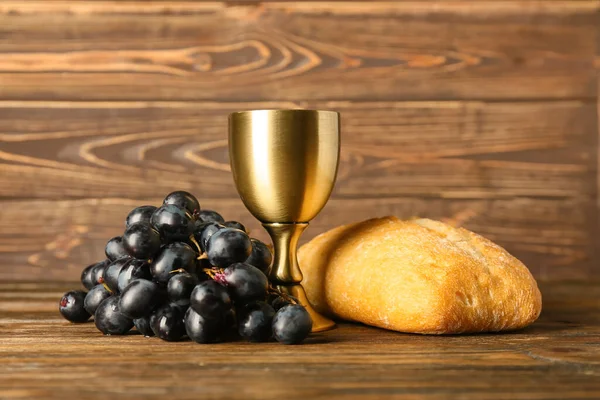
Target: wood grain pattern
{"x": 433, "y": 149}
{"x": 556, "y": 358}
{"x": 102, "y": 50}
{"x": 53, "y": 240}
{"x": 515, "y": 168}
{"x": 481, "y": 112}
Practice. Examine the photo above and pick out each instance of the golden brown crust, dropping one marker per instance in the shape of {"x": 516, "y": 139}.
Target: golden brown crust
{"x": 420, "y": 276}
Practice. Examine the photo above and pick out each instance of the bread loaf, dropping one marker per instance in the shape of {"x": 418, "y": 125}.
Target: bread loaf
{"x": 419, "y": 276}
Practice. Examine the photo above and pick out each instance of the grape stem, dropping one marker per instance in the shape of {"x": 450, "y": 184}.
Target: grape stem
{"x": 286, "y": 296}
{"x": 177, "y": 271}
{"x": 105, "y": 286}
{"x": 202, "y": 255}
{"x": 212, "y": 272}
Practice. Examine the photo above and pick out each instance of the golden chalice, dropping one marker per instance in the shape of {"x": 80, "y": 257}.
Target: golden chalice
{"x": 284, "y": 164}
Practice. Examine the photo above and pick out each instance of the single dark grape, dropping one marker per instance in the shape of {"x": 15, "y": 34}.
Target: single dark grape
{"x": 210, "y": 216}
{"x": 172, "y": 257}
{"x": 167, "y": 322}
{"x": 137, "y": 269}
{"x": 203, "y": 330}
{"x": 278, "y": 302}
{"x": 87, "y": 280}
{"x": 235, "y": 225}
{"x": 94, "y": 297}
{"x": 109, "y": 319}
{"x": 140, "y": 214}
{"x": 71, "y": 306}
{"x": 254, "y": 321}
{"x": 139, "y": 298}
{"x": 210, "y": 299}
{"x": 141, "y": 241}
{"x": 228, "y": 246}
{"x": 261, "y": 256}
{"x": 112, "y": 272}
{"x": 114, "y": 248}
{"x": 180, "y": 287}
{"x": 245, "y": 282}
{"x": 183, "y": 200}
{"x": 143, "y": 326}
{"x": 97, "y": 273}
{"x": 291, "y": 324}
{"x": 173, "y": 223}
{"x": 204, "y": 231}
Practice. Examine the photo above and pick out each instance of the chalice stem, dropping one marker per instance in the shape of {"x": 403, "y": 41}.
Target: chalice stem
{"x": 285, "y": 269}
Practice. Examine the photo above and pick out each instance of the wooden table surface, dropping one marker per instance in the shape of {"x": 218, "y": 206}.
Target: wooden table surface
{"x": 43, "y": 356}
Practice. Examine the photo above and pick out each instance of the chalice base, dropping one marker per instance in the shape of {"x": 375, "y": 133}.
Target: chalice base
{"x": 320, "y": 323}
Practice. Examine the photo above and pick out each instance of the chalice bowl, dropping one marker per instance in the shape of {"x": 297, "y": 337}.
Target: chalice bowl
{"x": 284, "y": 165}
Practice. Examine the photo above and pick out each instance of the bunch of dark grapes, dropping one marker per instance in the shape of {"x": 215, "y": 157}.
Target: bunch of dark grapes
{"x": 181, "y": 272}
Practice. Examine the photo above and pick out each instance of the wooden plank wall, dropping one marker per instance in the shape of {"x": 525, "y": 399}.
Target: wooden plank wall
{"x": 481, "y": 112}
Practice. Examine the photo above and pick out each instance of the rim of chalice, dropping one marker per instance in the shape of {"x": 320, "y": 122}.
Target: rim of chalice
{"x": 284, "y": 111}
